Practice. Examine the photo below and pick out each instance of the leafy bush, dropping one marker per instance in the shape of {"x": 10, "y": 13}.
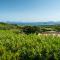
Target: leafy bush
{"x": 28, "y": 47}
{"x": 30, "y": 29}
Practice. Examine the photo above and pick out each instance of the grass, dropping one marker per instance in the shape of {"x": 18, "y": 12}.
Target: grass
{"x": 28, "y": 47}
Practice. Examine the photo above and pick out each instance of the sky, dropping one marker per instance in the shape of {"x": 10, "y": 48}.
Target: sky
{"x": 29, "y": 10}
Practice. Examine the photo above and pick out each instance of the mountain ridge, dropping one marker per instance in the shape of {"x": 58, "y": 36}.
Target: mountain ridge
{"x": 34, "y": 23}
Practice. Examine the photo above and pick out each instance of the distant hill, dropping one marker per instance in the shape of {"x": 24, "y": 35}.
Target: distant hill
{"x": 4, "y": 26}
{"x": 35, "y": 23}
{"x": 30, "y": 23}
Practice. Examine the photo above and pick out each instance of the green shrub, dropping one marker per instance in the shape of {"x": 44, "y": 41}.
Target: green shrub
{"x": 28, "y": 47}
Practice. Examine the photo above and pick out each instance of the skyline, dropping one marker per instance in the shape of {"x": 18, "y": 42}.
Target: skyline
{"x": 29, "y": 10}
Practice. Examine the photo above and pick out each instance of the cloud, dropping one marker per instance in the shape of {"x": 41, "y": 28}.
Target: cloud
{"x": 12, "y": 19}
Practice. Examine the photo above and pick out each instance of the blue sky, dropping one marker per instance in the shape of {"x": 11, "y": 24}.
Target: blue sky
{"x": 29, "y": 10}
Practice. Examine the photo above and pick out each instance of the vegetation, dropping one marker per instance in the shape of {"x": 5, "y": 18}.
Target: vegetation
{"x": 15, "y": 44}
{"x": 28, "y": 47}
{"x": 30, "y": 29}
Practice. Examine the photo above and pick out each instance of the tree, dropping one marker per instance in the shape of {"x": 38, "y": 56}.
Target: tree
{"x": 30, "y": 29}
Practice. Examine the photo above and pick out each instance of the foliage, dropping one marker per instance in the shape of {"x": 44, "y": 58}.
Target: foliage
{"x": 15, "y": 45}
{"x": 28, "y": 47}
{"x": 30, "y": 29}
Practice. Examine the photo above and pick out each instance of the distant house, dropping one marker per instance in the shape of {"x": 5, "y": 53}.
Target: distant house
{"x": 50, "y": 32}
